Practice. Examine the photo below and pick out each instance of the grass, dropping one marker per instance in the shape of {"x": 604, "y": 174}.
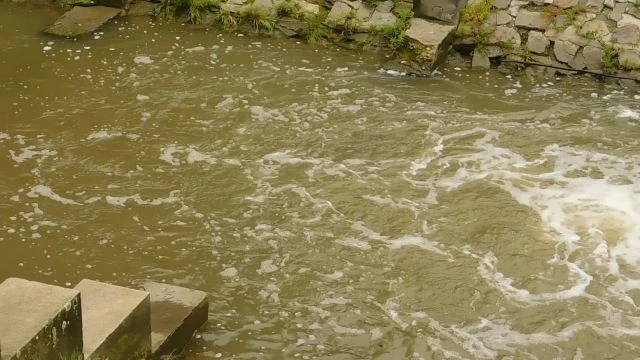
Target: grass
{"x": 73, "y": 356}
{"x": 395, "y": 34}
{"x": 351, "y": 23}
{"x": 610, "y": 60}
{"x": 573, "y": 12}
{"x": 476, "y": 14}
{"x": 170, "y": 10}
{"x": 258, "y": 18}
{"x": 227, "y": 18}
{"x": 315, "y": 30}
{"x": 288, "y": 8}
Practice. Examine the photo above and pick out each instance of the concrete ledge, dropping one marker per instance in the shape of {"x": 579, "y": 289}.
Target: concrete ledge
{"x": 82, "y": 20}
{"x": 176, "y": 313}
{"x": 116, "y": 321}
{"x": 39, "y": 321}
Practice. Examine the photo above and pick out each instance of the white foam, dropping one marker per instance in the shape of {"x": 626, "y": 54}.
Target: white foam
{"x": 142, "y": 60}
{"x": 418, "y": 241}
{"x": 45, "y": 191}
{"x": 359, "y": 244}
{"x": 229, "y": 272}
{"x": 29, "y": 153}
{"x": 136, "y": 198}
{"x": 192, "y": 155}
{"x": 267, "y": 266}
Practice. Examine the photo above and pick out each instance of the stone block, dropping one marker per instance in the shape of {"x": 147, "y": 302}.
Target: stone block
{"x": 593, "y": 57}
{"x": 430, "y": 41}
{"x": 629, "y": 59}
{"x": 116, "y": 321}
{"x": 480, "y": 60}
{"x": 502, "y": 4}
{"x": 82, "y": 20}
{"x": 532, "y": 20}
{"x": 627, "y": 19}
{"x": 595, "y": 29}
{"x": 627, "y": 34}
{"x": 45, "y": 320}
{"x": 537, "y": 42}
{"x": 443, "y": 10}
{"x": 176, "y": 313}
{"x": 505, "y": 36}
{"x": 565, "y": 50}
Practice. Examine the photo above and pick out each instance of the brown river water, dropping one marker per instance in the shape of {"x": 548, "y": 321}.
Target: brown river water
{"x": 332, "y": 210}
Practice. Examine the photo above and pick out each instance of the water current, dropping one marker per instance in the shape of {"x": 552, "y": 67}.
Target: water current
{"x": 331, "y": 209}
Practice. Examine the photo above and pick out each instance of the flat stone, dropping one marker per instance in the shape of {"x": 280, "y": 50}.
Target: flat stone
{"x": 505, "y": 36}
{"x": 628, "y": 19}
{"x": 176, "y": 314}
{"x": 593, "y": 57}
{"x": 480, "y": 60}
{"x": 537, "y": 42}
{"x": 430, "y": 40}
{"x": 379, "y": 19}
{"x": 565, "y": 50}
{"x": 595, "y": 29}
{"x": 594, "y": 5}
{"x": 578, "y": 62}
{"x": 618, "y": 10}
{"x": 627, "y": 34}
{"x": 82, "y": 20}
{"x": 115, "y": 321}
{"x": 290, "y": 26}
{"x": 532, "y": 20}
{"x": 39, "y": 321}
{"x": 443, "y": 10}
{"x": 629, "y": 59}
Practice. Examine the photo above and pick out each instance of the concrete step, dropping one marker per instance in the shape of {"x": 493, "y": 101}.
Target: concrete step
{"x": 115, "y": 321}
{"x": 176, "y": 313}
{"x": 39, "y": 321}
{"x": 82, "y": 20}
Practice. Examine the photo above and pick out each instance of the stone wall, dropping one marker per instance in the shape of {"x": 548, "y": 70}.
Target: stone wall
{"x": 600, "y": 36}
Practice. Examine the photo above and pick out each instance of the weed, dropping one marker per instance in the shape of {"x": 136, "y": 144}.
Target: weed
{"x": 287, "y": 8}
{"x": 637, "y": 4}
{"x": 610, "y": 60}
{"x": 573, "y": 12}
{"x": 258, "y": 18}
{"x": 316, "y": 31}
{"x": 395, "y": 34}
{"x": 374, "y": 3}
{"x": 227, "y": 18}
{"x": 552, "y": 13}
{"x": 351, "y": 23}
{"x": 476, "y": 14}
{"x": 171, "y": 9}
{"x": 73, "y": 356}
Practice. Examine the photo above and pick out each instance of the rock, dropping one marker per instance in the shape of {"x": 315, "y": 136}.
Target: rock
{"x": 266, "y": 5}
{"x": 82, "y": 20}
{"x": 618, "y": 10}
{"x": 342, "y": 10}
{"x": 532, "y": 20}
{"x": 594, "y": 5}
{"x": 629, "y": 59}
{"x": 592, "y": 57}
{"x": 502, "y": 4}
{"x": 610, "y": 3}
{"x": 505, "y": 36}
{"x": 430, "y": 41}
{"x": 480, "y": 60}
{"x": 176, "y": 313}
{"x": 569, "y": 34}
{"x": 627, "y": 34}
{"x": 307, "y": 7}
{"x": 494, "y": 51}
{"x": 291, "y": 27}
{"x": 380, "y": 18}
{"x": 141, "y": 8}
{"x": 628, "y": 19}
{"x": 565, "y": 4}
{"x": 595, "y": 29}
{"x": 537, "y": 42}
{"x": 578, "y": 62}
{"x": 443, "y": 10}
{"x": 634, "y": 10}
{"x": 500, "y": 17}
{"x": 38, "y": 321}
{"x": 565, "y": 50}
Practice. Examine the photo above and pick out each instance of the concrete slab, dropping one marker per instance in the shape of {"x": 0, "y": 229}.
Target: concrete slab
{"x": 44, "y": 321}
{"x": 430, "y": 41}
{"x": 116, "y": 321}
{"x": 176, "y": 313}
{"x": 82, "y": 20}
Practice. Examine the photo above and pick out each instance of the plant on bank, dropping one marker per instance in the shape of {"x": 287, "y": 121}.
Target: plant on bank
{"x": 288, "y": 8}
{"x": 396, "y": 34}
{"x": 170, "y": 10}
{"x": 315, "y": 31}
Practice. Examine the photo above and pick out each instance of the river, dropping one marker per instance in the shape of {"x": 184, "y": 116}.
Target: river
{"x": 332, "y": 210}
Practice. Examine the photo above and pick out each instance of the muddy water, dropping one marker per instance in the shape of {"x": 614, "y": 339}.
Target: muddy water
{"x": 331, "y": 210}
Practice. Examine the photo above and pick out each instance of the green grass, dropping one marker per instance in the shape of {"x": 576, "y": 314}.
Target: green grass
{"x": 288, "y": 8}
{"x": 73, "y": 356}
{"x": 170, "y": 10}
{"x": 258, "y": 18}
{"x": 610, "y": 60}
{"x": 315, "y": 30}
{"x": 228, "y": 19}
{"x": 395, "y": 34}
{"x": 476, "y": 14}
{"x": 573, "y": 12}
